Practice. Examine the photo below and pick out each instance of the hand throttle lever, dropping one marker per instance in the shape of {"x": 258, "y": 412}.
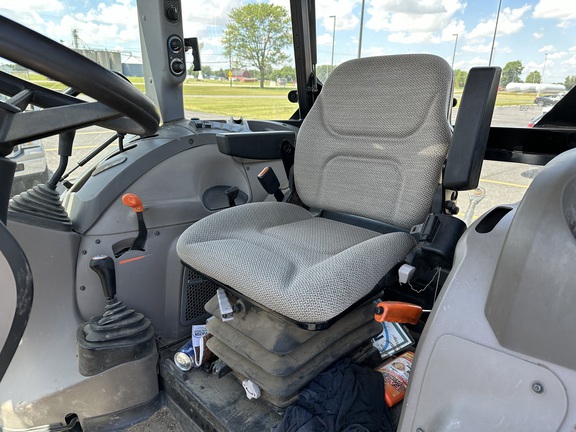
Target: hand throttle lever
{"x": 135, "y": 203}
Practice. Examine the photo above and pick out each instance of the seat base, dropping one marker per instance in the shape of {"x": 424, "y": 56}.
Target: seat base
{"x": 304, "y": 353}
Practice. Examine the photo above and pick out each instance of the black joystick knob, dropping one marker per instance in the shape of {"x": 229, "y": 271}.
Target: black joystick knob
{"x": 103, "y": 265}
{"x": 120, "y": 335}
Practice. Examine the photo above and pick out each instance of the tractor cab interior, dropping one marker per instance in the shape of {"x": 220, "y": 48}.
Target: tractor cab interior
{"x": 289, "y": 240}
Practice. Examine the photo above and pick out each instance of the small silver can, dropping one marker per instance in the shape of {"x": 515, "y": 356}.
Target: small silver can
{"x": 184, "y": 358}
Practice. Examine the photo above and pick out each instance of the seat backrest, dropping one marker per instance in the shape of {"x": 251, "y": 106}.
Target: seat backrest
{"x": 374, "y": 142}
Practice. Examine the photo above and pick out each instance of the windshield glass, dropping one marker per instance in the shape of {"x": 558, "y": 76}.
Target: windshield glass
{"x": 248, "y": 65}
{"x": 532, "y": 41}
{"x": 248, "y": 59}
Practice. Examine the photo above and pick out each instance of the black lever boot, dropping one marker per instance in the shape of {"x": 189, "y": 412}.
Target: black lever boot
{"x": 118, "y": 336}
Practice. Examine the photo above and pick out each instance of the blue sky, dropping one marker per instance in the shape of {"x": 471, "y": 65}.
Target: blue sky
{"x": 530, "y": 31}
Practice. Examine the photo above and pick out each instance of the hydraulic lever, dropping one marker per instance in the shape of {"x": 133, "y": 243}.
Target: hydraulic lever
{"x": 395, "y": 311}
{"x": 135, "y": 203}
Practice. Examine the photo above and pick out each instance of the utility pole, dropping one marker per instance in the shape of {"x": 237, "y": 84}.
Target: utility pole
{"x": 542, "y": 77}
{"x": 454, "y": 53}
{"x": 495, "y": 30}
{"x": 333, "y": 40}
{"x": 361, "y": 28}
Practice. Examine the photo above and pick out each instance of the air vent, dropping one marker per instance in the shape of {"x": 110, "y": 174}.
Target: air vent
{"x": 196, "y": 291}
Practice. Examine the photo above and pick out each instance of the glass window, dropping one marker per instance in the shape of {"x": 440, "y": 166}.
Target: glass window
{"x": 247, "y": 59}
{"x": 532, "y": 41}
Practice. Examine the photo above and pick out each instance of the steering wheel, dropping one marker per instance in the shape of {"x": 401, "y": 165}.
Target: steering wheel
{"x": 119, "y": 105}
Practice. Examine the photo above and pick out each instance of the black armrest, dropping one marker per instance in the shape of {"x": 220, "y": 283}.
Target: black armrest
{"x": 254, "y": 145}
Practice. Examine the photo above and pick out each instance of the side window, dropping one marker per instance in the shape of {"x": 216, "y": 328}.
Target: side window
{"x": 247, "y": 57}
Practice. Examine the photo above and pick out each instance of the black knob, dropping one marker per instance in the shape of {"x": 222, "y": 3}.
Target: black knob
{"x": 175, "y": 44}
{"x": 103, "y": 265}
{"x": 177, "y": 66}
{"x": 172, "y": 14}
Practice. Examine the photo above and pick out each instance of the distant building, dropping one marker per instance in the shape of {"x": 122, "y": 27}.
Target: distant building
{"x": 108, "y": 59}
{"x": 132, "y": 69}
{"x": 242, "y": 76}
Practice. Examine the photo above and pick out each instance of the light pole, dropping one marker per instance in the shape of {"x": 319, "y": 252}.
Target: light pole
{"x": 495, "y": 30}
{"x": 542, "y": 77}
{"x": 333, "y": 40}
{"x": 361, "y": 28}
{"x": 454, "y": 53}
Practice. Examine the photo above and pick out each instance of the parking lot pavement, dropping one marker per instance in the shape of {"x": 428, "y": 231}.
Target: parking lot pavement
{"x": 503, "y": 183}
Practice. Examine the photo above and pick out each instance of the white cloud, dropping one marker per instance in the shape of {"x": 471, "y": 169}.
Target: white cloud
{"x": 453, "y": 27}
{"x": 562, "y": 10}
{"x": 373, "y": 51}
{"x": 557, "y": 55}
{"x": 415, "y": 20}
{"x": 99, "y": 28}
{"x": 538, "y": 35}
{"x": 479, "y": 48}
{"x": 324, "y": 39}
{"x": 29, "y": 13}
{"x": 343, "y": 10}
{"x": 466, "y": 65}
{"x": 571, "y": 61}
{"x": 509, "y": 22}
{"x": 410, "y": 38}
{"x": 547, "y": 48}
{"x": 398, "y": 16}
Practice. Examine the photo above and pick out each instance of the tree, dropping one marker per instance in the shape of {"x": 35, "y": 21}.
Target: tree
{"x": 206, "y": 71}
{"x": 511, "y": 73}
{"x": 570, "y": 82}
{"x": 534, "y": 77}
{"x": 460, "y": 78}
{"x": 258, "y": 33}
{"x": 287, "y": 72}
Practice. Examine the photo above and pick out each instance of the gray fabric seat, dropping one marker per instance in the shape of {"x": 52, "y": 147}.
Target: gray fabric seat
{"x": 373, "y": 145}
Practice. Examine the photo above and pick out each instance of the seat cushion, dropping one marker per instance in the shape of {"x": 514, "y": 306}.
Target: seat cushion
{"x": 306, "y": 268}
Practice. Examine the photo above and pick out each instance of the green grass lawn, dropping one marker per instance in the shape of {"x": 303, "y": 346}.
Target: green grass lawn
{"x": 250, "y": 101}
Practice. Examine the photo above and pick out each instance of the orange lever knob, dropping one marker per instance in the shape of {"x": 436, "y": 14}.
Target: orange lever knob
{"x": 399, "y": 312}
{"x": 133, "y": 201}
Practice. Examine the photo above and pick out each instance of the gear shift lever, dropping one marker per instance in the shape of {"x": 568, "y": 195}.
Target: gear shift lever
{"x": 119, "y": 335}
{"x": 103, "y": 265}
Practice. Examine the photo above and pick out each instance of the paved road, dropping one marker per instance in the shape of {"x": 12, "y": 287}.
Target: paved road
{"x": 502, "y": 182}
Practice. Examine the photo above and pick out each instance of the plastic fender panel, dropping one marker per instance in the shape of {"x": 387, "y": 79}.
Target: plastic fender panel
{"x": 471, "y": 387}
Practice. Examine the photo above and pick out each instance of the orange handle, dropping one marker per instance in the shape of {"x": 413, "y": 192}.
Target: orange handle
{"x": 395, "y": 311}
{"x": 133, "y": 201}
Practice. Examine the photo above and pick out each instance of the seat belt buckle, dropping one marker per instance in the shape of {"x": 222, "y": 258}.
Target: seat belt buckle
{"x": 427, "y": 229}
{"x": 269, "y": 181}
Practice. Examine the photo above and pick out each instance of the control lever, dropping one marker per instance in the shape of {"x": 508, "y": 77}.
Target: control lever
{"x": 103, "y": 265}
{"x": 232, "y": 194}
{"x": 65, "y": 142}
{"x": 135, "y": 203}
{"x": 399, "y": 312}
{"x": 270, "y": 183}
